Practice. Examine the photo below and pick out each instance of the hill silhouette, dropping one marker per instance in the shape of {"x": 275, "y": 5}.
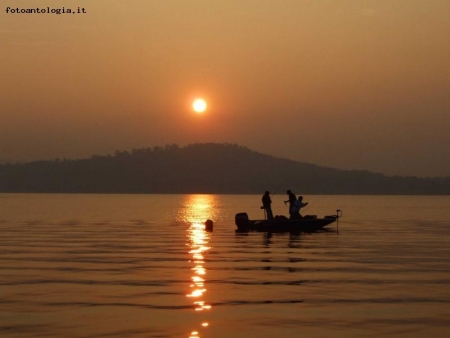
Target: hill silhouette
{"x": 203, "y": 168}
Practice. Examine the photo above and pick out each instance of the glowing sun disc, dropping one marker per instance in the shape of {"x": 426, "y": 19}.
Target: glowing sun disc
{"x": 199, "y": 105}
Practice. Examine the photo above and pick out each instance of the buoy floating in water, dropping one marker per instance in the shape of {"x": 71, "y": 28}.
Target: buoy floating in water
{"x": 209, "y": 225}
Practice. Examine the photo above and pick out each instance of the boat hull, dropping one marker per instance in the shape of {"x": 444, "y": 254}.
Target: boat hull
{"x": 305, "y": 224}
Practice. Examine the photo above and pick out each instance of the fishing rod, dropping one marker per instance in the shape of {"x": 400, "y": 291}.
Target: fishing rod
{"x": 276, "y": 191}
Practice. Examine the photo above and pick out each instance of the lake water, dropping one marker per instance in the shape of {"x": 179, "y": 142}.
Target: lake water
{"x": 143, "y": 266}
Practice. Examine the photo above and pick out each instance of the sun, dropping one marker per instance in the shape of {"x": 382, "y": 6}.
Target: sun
{"x": 199, "y": 105}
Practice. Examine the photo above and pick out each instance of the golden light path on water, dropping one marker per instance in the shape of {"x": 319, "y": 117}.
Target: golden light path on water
{"x": 196, "y": 210}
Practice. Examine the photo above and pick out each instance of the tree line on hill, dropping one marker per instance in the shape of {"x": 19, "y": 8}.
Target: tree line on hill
{"x": 202, "y": 168}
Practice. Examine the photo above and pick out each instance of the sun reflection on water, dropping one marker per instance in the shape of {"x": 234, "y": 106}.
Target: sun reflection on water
{"x": 196, "y": 210}
{"x": 199, "y": 208}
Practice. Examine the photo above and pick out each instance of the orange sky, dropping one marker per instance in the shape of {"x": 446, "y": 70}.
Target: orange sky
{"x": 348, "y": 84}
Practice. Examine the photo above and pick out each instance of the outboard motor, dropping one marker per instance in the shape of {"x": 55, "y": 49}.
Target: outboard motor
{"x": 241, "y": 219}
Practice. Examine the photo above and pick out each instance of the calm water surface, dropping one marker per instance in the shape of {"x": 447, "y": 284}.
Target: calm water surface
{"x": 143, "y": 266}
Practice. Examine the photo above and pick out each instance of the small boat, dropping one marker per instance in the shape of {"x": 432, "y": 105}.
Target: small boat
{"x": 308, "y": 223}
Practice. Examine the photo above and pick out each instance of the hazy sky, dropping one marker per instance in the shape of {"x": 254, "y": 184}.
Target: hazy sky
{"x": 350, "y": 84}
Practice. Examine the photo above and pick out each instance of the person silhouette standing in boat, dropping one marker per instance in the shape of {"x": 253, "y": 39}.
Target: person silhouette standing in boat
{"x": 297, "y": 206}
{"x": 267, "y": 201}
{"x": 292, "y": 199}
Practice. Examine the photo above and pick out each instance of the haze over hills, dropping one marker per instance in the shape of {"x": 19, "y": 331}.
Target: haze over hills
{"x": 203, "y": 168}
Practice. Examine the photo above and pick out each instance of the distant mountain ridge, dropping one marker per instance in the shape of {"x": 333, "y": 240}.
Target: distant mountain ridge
{"x": 203, "y": 168}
